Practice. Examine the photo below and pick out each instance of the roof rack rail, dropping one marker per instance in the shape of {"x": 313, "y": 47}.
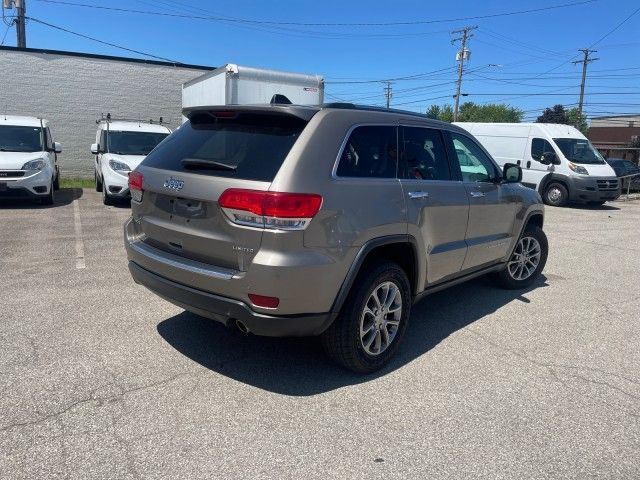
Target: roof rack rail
{"x": 371, "y": 108}
{"x": 108, "y": 119}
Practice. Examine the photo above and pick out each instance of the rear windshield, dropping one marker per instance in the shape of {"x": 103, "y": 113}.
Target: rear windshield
{"x": 133, "y": 143}
{"x": 20, "y": 139}
{"x": 248, "y": 146}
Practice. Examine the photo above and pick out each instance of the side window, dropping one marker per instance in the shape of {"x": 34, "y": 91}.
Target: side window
{"x": 48, "y": 139}
{"x": 475, "y": 165}
{"x": 370, "y": 152}
{"x": 103, "y": 140}
{"x": 423, "y": 155}
{"x": 538, "y": 147}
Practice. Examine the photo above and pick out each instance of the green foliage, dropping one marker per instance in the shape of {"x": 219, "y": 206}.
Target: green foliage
{"x": 556, "y": 114}
{"x": 444, "y": 113}
{"x": 77, "y": 183}
{"x": 579, "y": 121}
{"x": 471, "y": 112}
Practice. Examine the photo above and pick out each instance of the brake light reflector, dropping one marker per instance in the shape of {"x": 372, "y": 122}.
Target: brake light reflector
{"x": 287, "y": 211}
{"x": 264, "y": 301}
{"x": 135, "y": 185}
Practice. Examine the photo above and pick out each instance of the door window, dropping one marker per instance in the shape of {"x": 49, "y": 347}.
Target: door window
{"x": 540, "y": 146}
{"x": 370, "y": 152}
{"x": 475, "y": 165}
{"x": 423, "y": 155}
{"x": 48, "y": 139}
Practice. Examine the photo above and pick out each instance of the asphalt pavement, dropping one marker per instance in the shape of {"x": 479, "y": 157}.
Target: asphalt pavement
{"x": 102, "y": 379}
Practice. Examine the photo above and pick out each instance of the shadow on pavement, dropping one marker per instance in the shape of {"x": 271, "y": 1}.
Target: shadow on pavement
{"x": 62, "y": 197}
{"x": 605, "y": 207}
{"x": 298, "y": 366}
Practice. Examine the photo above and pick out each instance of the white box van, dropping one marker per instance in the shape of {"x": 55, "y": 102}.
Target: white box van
{"x": 28, "y": 159}
{"x": 557, "y": 160}
{"x": 120, "y": 147}
{"x": 238, "y": 85}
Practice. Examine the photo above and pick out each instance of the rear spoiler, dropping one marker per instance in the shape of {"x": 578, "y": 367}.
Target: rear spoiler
{"x": 300, "y": 111}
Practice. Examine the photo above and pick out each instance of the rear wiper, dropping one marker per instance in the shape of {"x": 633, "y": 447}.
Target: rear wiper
{"x": 212, "y": 164}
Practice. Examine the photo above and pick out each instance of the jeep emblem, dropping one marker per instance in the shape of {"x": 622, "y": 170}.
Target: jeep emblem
{"x": 173, "y": 184}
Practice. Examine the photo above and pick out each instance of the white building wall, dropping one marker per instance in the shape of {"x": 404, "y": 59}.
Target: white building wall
{"x": 72, "y": 91}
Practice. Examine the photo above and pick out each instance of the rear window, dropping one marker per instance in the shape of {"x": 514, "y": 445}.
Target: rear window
{"x": 247, "y": 146}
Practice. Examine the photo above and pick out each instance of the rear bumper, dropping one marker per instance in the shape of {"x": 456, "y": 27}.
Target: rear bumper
{"x": 226, "y": 310}
{"x": 593, "y": 189}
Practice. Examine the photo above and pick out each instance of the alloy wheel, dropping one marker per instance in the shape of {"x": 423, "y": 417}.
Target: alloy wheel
{"x": 380, "y": 318}
{"x": 525, "y": 258}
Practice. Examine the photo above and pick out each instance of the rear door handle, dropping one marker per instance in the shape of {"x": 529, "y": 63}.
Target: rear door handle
{"x": 476, "y": 194}
{"x": 418, "y": 194}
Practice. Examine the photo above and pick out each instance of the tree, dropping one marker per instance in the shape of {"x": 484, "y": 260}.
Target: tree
{"x": 471, "y": 112}
{"x": 444, "y": 113}
{"x": 577, "y": 120}
{"x": 556, "y": 114}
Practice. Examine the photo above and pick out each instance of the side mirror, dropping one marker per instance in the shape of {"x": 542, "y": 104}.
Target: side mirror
{"x": 95, "y": 148}
{"x": 57, "y": 147}
{"x": 511, "y": 173}
{"x": 549, "y": 158}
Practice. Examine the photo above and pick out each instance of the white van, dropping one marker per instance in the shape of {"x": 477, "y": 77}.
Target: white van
{"x": 120, "y": 147}
{"x": 28, "y": 159}
{"x": 557, "y": 160}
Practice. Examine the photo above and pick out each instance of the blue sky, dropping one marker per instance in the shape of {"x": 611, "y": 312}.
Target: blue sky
{"x": 518, "y": 59}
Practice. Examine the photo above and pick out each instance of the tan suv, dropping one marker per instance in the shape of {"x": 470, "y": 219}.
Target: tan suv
{"x": 331, "y": 221}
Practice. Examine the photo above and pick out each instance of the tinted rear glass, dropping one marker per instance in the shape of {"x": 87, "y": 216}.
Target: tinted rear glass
{"x": 249, "y": 146}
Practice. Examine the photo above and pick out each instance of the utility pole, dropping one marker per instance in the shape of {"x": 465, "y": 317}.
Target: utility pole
{"x": 21, "y": 31}
{"x": 586, "y": 61}
{"x": 20, "y": 6}
{"x": 462, "y": 55}
{"x": 387, "y": 93}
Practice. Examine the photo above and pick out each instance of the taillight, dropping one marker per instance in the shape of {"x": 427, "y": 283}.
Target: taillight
{"x": 284, "y": 211}
{"x": 135, "y": 185}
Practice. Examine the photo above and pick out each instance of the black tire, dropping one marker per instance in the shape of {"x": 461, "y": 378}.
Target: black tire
{"x": 98, "y": 182}
{"x": 556, "y": 194}
{"x": 506, "y": 278}
{"x": 48, "y": 200}
{"x": 106, "y": 198}
{"x": 342, "y": 341}
{"x": 56, "y": 181}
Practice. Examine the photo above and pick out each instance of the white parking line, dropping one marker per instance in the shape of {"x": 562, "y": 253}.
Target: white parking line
{"x": 77, "y": 225}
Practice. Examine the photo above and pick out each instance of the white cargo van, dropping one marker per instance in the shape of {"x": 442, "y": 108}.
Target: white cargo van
{"x": 557, "y": 160}
{"x": 120, "y": 147}
{"x": 28, "y": 159}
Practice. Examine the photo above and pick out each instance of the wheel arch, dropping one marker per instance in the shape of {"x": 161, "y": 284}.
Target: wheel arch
{"x": 401, "y": 249}
{"x": 554, "y": 178}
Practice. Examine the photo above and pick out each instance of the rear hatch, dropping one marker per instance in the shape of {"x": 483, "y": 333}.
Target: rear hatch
{"x": 185, "y": 176}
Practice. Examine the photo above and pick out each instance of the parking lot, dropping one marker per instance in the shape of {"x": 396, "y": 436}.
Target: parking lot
{"x": 102, "y": 379}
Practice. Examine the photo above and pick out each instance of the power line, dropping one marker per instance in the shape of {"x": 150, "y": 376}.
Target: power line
{"x": 418, "y": 76}
{"x": 615, "y": 28}
{"x": 66, "y": 30}
{"x": 5, "y": 34}
{"x": 325, "y": 24}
